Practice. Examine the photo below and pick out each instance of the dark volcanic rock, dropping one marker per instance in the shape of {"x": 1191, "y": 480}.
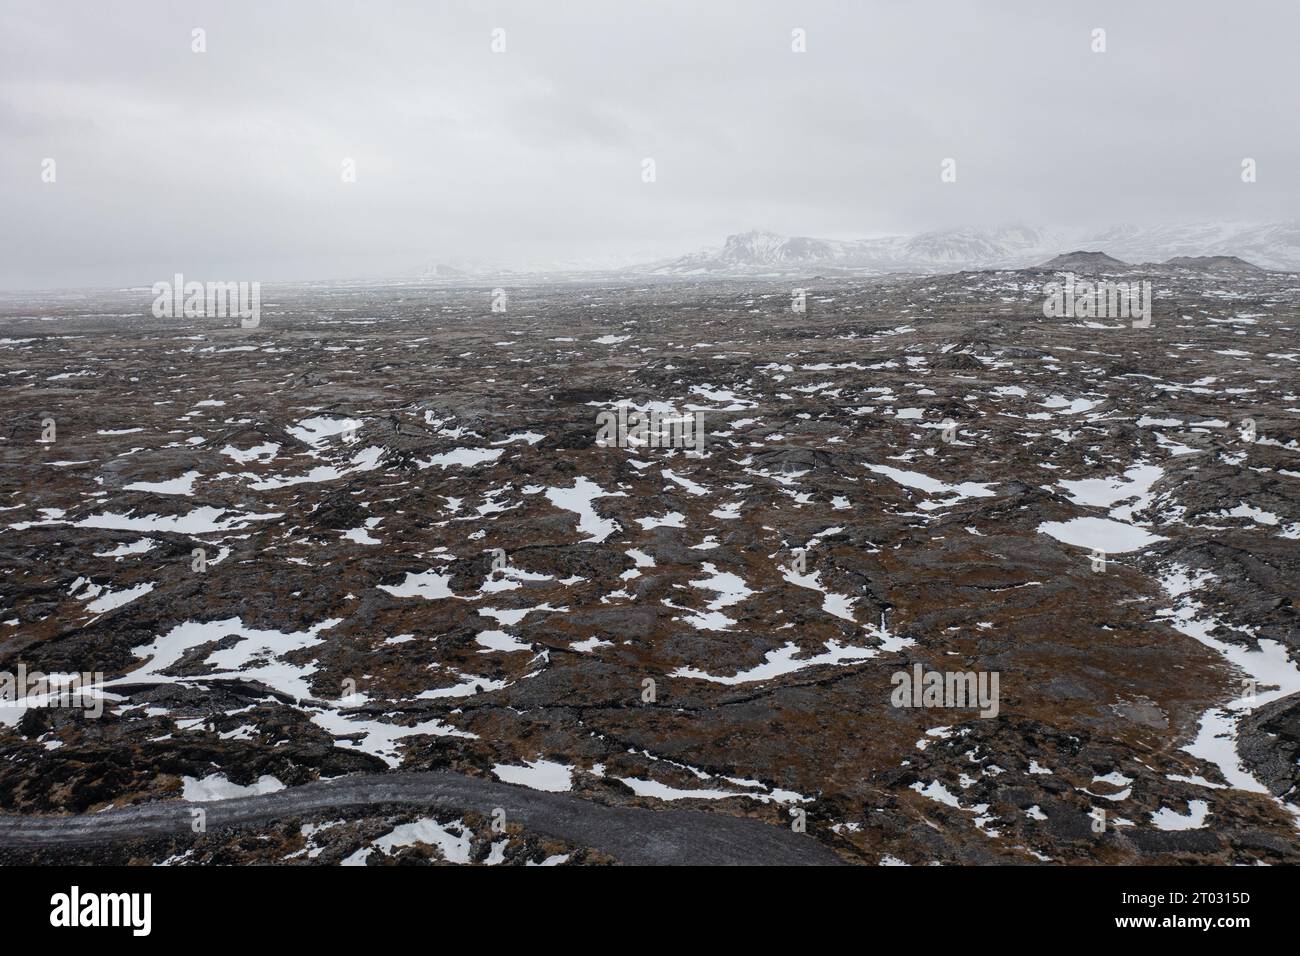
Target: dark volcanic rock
{"x": 1270, "y": 745}
{"x": 325, "y": 546}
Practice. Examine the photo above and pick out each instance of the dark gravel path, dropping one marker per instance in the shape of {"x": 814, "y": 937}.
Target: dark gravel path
{"x": 629, "y": 835}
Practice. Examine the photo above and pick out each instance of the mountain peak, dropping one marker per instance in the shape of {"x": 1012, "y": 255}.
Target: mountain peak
{"x": 1220, "y": 263}
{"x": 752, "y": 235}
{"x": 1219, "y": 246}
{"x": 1080, "y": 261}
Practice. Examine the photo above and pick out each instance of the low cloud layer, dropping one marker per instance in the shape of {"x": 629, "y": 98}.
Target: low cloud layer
{"x": 228, "y": 163}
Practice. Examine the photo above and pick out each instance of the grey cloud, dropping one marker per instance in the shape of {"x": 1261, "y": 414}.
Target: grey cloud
{"x": 172, "y": 161}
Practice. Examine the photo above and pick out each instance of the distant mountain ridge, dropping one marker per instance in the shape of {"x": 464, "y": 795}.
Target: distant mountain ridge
{"x": 1215, "y": 263}
{"x": 1100, "y": 262}
{"x": 758, "y": 252}
{"x": 1268, "y": 245}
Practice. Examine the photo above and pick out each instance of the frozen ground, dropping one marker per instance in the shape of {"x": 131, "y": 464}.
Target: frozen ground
{"x": 915, "y": 471}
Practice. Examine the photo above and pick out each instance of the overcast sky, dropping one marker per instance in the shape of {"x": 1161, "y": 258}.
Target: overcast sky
{"x": 227, "y": 164}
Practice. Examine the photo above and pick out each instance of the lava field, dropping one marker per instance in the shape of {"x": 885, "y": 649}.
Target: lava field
{"x": 377, "y": 536}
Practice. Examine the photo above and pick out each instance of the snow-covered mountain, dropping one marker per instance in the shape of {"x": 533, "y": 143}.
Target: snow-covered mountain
{"x": 1270, "y": 245}
{"x": 983, "y": 248}
{"x": 1274, "y": 245}
{"x": 761, "y": 252}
